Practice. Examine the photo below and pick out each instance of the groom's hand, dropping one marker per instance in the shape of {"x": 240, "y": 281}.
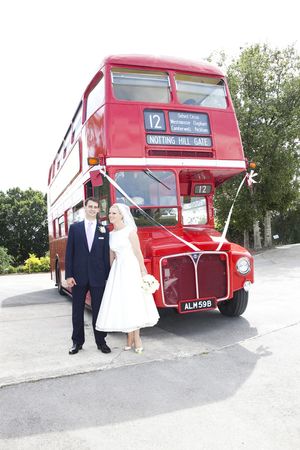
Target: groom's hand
{"x": 70, "y": 282}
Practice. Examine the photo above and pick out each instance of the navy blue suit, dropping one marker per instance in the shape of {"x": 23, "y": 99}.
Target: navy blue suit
{"x": 90, "y": 270}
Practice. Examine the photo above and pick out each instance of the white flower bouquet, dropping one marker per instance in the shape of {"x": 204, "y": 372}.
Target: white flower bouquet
{"x": 149, "y": 284}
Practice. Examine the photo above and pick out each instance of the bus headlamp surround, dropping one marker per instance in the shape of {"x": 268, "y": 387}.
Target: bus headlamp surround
{"x": 243, "y": 265}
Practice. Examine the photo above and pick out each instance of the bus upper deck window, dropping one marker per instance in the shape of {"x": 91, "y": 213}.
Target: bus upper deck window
{"x": 77, "y": 122}
{"x": 141, "y": 86}
{"x": 201, "y": 91}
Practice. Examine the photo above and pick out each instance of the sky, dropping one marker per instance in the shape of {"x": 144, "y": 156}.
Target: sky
{"x": 50, "y": 50}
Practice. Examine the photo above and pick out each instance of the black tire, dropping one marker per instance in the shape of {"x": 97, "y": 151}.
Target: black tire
{"x": 235, "y": 306}
{"x": 58, "y": 281}
{"x": 167, "y": 312}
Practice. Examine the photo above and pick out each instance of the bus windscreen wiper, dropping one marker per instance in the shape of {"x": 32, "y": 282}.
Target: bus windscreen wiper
{"x": 150, "y": 174}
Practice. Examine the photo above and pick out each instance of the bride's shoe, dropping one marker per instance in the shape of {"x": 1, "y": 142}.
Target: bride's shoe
{"x": 127, "y": 347}
{"x": 139, "y": 350}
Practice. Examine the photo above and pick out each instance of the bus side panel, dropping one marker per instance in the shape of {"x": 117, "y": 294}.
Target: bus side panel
{"x": 125, "y": 134}
{"x": 226, "y": 136}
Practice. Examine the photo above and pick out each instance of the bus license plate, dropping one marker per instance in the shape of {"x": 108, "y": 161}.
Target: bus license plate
{"x": 196, "y": 305}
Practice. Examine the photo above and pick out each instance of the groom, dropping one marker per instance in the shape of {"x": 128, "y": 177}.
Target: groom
{"x": 87, "y": 268}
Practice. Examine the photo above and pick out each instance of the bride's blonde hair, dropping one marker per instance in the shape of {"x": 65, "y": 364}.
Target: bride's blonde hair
{"x": 126, "y": 215}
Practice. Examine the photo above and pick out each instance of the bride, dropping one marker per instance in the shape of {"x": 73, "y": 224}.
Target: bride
{"x": 125, "y": 306}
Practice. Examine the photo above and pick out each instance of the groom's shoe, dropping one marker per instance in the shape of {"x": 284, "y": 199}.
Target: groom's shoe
{"x": 75, "y": 349}
{"x": 104, "y": 348}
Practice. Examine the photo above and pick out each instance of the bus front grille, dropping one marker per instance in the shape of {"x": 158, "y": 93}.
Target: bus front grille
{"x": 191, "y": 276}
{"x": 181, "y": 153}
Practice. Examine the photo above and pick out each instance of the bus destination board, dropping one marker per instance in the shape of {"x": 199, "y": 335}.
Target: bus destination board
{"x": 179, "y": 141}
{"x": 189, "y": 123}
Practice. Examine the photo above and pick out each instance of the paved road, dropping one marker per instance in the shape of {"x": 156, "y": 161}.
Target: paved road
{"x": 204, "y": 381}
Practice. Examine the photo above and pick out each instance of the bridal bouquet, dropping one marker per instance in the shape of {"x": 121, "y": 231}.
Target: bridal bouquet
{"x": 149, "y": 284}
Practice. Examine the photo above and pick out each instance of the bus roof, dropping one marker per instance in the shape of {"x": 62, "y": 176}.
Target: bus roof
{"x": 160, "y": 62}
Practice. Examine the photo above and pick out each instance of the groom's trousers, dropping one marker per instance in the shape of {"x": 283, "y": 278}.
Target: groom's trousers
{"x": 78, "y": 305}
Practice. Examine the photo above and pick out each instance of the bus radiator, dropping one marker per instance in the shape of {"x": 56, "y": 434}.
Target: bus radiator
{"x": 194, "y": 276}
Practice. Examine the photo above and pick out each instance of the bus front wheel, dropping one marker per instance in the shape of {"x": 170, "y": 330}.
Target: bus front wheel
{"x": 58, "y": 281}
{"x": 235, "y": 306}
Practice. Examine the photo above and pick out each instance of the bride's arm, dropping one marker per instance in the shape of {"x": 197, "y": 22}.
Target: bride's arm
{"x": 134, "y": 239}
{"x": 111, "y": 256}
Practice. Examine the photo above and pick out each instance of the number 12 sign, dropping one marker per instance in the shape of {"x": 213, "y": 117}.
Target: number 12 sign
{"x": 154, "y": 121}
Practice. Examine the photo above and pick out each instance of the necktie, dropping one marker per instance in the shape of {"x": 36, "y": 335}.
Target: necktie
{"x": 90, "y": 234}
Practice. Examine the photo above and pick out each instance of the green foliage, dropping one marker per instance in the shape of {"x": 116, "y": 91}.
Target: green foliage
{"x": 265, "y": 88}
{"x": 5, "y": 260}
{"x": 12, "y": 269}
{"x": 23, "y": 223}
{"x": 242, "y": 217}
{"x": 45, "y": 263}
{"x": 34, "y": 264}
{"x": 286, "y": 225}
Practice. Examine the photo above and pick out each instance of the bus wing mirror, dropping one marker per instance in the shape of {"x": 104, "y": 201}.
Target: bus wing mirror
{"x": 96, "y": 178}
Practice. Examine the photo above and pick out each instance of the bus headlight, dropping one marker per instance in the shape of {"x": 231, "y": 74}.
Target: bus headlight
{"x": 243, "y": 265}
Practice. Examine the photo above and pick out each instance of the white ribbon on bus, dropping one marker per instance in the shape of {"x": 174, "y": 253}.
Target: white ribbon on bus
{"x": 248, "y": 176}
{"x": 189, "y": 244}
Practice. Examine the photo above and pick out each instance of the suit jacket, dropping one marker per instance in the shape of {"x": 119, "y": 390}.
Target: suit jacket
{"x": 87, "y": 267}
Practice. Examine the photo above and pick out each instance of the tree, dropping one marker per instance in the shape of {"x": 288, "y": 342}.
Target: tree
{"x": 5, "y": 260}
{"x": 286, "y": 226}
{"x": 23, "y": 223}
{"x": 265, "y": 88}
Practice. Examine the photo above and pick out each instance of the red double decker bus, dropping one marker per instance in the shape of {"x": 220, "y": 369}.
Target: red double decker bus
{"x": 164, "y": 132}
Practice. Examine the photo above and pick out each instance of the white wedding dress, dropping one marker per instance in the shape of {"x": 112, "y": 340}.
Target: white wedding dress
{"x": 125, "y": 306}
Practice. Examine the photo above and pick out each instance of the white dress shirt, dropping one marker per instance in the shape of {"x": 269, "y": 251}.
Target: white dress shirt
{"x": 87, "y": 225}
